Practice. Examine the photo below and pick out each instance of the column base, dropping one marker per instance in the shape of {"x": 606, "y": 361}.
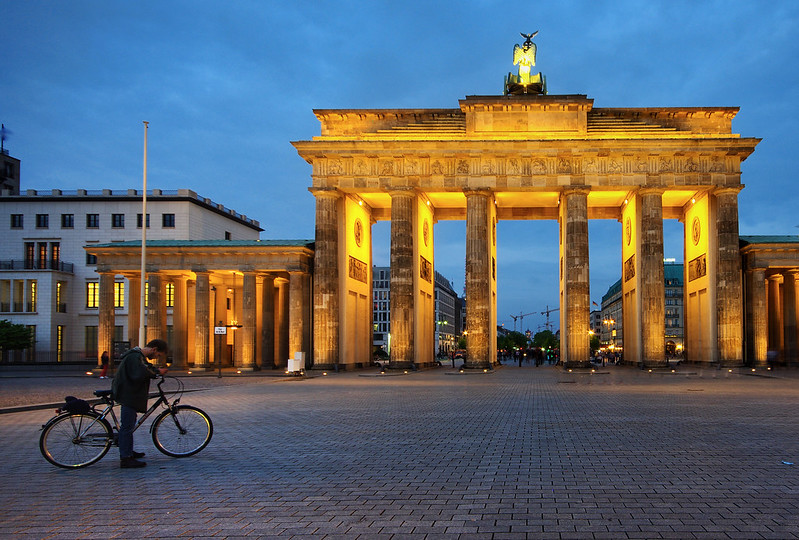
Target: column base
{"x": 585, "y": 364}
{"x": 326, "y": 367}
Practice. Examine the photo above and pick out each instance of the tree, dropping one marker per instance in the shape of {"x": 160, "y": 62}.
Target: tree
{"x": 14, "y": 337}
{"x": 594, "y": 344}
{"x": 545, "y": 339}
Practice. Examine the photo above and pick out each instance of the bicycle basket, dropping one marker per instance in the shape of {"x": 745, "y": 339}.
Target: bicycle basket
{"x": 75, "y": 406}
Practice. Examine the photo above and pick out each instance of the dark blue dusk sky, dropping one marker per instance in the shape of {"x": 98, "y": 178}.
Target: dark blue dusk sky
{"x": 226, "y": 85}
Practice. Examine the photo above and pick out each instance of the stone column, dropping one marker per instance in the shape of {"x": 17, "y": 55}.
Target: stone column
{"x": 105, "y": 305}
{"x": 179, "y": 324}
{"x": 295, "y": 314}
{"x": 401, "y": 292}
{"x": 788, "y": 317}
{"x": 307, "y": 319}
{"x": 202, "y": 320}
{"x": 729, "y": 296}
{"x": 774, "y": 315}
{"x": 653, "y": 294}
{"x": 156, "y": 308}
{"x": 134, "y": 304}
{"x": 478, "y": 279}
{"x": 282, "y": 323}
{"x": 789, "y": 314}
{"x": 248, "y": 321}
{"x": 326, "y": 285}
{"x": 268, "y": 323}
{"x": 758, "y": 320}
{"x": 575, "y": 276}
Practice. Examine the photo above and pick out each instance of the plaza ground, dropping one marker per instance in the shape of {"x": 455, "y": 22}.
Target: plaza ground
{"x": 518, "y": 453}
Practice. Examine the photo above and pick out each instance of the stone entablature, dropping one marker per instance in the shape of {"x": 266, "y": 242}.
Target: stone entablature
{"x": 273, "y": 257}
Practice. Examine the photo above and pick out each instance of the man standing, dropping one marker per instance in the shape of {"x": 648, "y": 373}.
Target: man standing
{"x": 131, "y": 389}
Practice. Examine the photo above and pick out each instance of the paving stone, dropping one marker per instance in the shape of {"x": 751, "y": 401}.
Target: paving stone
{"x": 514, "y": 455}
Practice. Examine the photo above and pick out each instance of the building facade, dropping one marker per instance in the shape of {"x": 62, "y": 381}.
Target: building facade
{"x": 50, "y": 283}
{"x": 447, "y": 312}
{"x": 612, "y": 334}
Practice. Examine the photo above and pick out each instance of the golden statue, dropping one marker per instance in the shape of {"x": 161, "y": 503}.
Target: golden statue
{"x": 525, "y": 57}
{"x": 524, "y": 82}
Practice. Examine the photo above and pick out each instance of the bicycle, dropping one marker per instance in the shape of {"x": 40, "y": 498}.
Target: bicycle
{"x": 78, "y": 439}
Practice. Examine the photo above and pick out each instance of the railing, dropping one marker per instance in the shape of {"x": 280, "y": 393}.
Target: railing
{"x": 50, "y": 264}
{"x": 29, "y": 357}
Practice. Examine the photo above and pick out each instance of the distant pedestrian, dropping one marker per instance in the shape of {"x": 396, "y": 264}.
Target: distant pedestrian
{"x": 104, "y": 363}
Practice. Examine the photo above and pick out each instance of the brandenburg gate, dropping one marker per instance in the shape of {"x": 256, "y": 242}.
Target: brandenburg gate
{"x": 526, "y": 155}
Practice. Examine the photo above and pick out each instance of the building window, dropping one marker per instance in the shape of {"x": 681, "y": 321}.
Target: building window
{"x": 168, "y": 221}
{"x": 32, "y": 296}
{"x": 92, "y": 295}
{"x": 42, "y": 221}
{"x": 30, "y": 254}
{"x": 60, "y": 296}
{"x": 228, "y": 236}
{"x": 92, "y": 221}
{"x": 119, "y": 294}
{"x": 170, "y": 295}
{"x": 67, "y": 221}
{"x": 55, "y": 255}
{"x": 118, "y": 221}
{"x": 30, "y": 352}
{"x": 16, "y": 221}
{"x": 90, "y": 337}
{"x": 91, "y": 259}
{"x": 60, "y": 343}
{"x": 138, "y": 221}
{"x": 42, "y": 263}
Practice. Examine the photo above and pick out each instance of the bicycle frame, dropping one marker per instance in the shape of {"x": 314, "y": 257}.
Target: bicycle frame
{"x": 109, "y": 411}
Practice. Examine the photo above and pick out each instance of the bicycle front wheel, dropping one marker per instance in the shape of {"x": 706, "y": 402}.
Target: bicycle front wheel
{"x": 72, "y": 441}
{"x": 182, "y": 431}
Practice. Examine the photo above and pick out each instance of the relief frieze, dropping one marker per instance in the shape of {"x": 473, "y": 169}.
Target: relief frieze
{"x": 629, "y": 268}
{"x": 697, "y": 268}
{"x": 425, "y": 269}
{"x": 358, "y": 270}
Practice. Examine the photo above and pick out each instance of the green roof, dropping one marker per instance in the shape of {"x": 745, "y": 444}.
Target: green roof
{"x": 211, "y": 243}
{"x": 765, "y": 239}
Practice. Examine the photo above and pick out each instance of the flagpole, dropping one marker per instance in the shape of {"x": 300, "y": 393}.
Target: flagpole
{"x": 142, "y": 314}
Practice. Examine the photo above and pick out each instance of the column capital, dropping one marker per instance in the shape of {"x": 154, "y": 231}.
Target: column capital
{"x": 575, "y": 190}
{"x": 775, "y": 278}
{"x": 319, "y": 193}
{"x": 402, "y": 192}
{"x": 650, "y": 191}
{"x": 728, "y": 190}
{"x": 478, "y": 192}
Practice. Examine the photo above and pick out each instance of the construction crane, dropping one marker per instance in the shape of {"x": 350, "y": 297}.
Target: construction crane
{"x": 547, "y": 312}
{"x": 520, "y": 317}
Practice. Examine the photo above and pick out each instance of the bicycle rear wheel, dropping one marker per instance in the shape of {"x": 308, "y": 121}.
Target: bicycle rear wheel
{"x": 72, "y": 441}
{"x": 182, "y": 431}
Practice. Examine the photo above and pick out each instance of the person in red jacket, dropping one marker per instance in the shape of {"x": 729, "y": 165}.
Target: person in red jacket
{"x": 131, "y": 389}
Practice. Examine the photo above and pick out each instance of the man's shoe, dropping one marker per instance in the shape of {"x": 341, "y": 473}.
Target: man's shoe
{"x": 131, "y": 463}
{"x": 137, "y": 455}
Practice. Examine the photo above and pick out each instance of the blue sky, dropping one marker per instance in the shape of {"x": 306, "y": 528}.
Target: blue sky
{"x": 227, "y": 85}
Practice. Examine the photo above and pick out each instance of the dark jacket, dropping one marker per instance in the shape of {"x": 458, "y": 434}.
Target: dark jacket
{"x": 131, "y": 384}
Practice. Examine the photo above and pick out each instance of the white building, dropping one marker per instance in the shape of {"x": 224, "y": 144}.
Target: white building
{"x": 47, "y": 280}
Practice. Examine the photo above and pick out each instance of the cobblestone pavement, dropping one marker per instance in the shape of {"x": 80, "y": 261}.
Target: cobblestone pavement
{"x": 518, "y": 453}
